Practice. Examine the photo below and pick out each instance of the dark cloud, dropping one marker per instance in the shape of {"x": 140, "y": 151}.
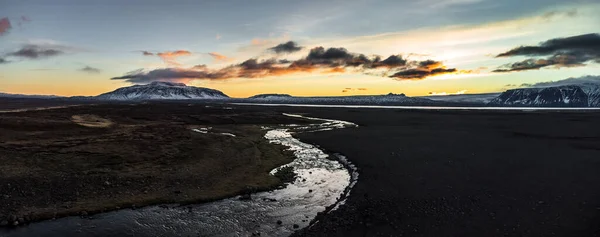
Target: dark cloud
{"x": 140, "y": 76}
{"x": 36, "y": 52}
{"x": 320, "y": 54}
{"x": 146, "y": 53}
{"x": 3, "y": 61}
{"x": 558, "y": 60}
{"x": 585, "y": 44}
{"x": 418, "y": 74}
{"x": 288, "y": 47}
{"x": 89, "y": 69}
{"x": 4, "y": 26}
{"x": 561, "y": 52}
{"x": 392, "y": 61}
{"x": 319, "y": 59}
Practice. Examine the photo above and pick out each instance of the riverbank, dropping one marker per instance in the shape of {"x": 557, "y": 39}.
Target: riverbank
{"x": 96, "y": 158}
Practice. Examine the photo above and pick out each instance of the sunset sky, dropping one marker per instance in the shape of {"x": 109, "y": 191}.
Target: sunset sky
{"x": 324, "y": 47}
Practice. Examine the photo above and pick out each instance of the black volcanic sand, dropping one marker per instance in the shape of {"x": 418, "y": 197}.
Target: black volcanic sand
{"x": 464, "y": 173}
{"x": 94, "y": 158}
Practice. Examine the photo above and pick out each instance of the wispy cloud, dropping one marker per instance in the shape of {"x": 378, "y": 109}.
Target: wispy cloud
{"x": 170, "y": 57}
{"x": 219, "y": 57}
{"x": 31, "y": 51}
{"x": 91, "y": 70}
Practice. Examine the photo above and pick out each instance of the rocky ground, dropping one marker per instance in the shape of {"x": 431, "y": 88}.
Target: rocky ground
{"x": 94, "y": 158}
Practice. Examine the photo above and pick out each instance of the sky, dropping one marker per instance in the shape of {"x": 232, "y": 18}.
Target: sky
{"x": 302, "y": 48}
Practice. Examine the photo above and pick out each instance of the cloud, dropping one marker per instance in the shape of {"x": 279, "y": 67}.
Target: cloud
{"x": 219, "y": 57}
{"x": 288, "y": 47}
{"x": 319, "y": 60}
{"x": 425, "y": 69}
{"x": 218, "y": 37}
{"x": 259, "y": 41}
{"x": 141, "y": 76}
{"x": 418, "y": 74}
{"x": 4, "y": 26}
{"x": 569, "y": 81}
{"x": 89, "y": 69}
{"x": 146, "y": 53}
{"x": 32, "y": 51}
{"x": 553, "y": 14}
{"x": 170, "y": 57}
{"x": 3, "y": 61}
{"x": 447, "y": 93}
{"x": 572, "y": 51}
{"x": 348, "y": 89}
{"x": 588, "y": 43}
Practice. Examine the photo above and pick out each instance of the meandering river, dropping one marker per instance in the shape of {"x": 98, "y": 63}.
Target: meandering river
{"x": 322, "y": 182}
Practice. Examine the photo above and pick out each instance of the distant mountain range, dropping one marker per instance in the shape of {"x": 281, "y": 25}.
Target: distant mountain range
{"x": 389, "y": 99}
{"x": 464, "y": 98}
{"x": 571, "y": 92}
{"x": 7, "y": 95}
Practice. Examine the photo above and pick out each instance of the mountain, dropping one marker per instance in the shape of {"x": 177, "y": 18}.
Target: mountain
{"x": 571, "y": 92}
{"x": 593, "y": 93}
{"x": 162, "y": 91}
{"x": 464, "y": 98}
{"x": 558, "y": 96}
{"x": 389, "y": 99}
{"x": 270, "y": 96}
{"x": 6, "y": 95}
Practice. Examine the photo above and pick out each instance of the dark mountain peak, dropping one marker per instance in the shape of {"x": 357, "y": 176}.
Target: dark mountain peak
{"x": 558, "y": 96}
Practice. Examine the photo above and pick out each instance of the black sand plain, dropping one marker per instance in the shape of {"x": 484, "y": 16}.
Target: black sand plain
{"x": 464, "y": 173}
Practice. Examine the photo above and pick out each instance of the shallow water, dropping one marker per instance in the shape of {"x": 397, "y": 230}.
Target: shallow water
{"x": 321, "y": 183}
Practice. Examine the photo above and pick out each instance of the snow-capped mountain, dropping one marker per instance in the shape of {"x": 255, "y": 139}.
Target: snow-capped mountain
{"x": 558, "y": 96}
{"x": 593, "y": 93}
{"x": 389, "y": 99}
{"x": 162, "y": 91}
{"x": 571, "y": 92}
